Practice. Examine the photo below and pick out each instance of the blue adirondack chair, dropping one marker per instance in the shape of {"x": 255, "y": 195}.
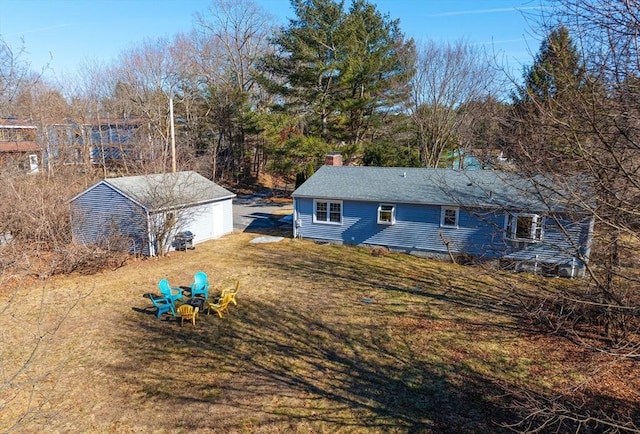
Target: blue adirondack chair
{"x": 200, "y": 286}
{"x": 163, "y": 304}
{"x": 168, "y": 292}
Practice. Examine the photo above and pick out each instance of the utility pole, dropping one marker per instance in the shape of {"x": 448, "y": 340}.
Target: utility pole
{"x": 173, "y": 138}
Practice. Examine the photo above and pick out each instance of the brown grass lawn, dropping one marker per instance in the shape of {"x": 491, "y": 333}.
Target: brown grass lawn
{"x": 325, "y": 339}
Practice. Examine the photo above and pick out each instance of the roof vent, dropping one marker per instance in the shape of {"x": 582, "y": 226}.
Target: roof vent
{"x": 404, "y": 174}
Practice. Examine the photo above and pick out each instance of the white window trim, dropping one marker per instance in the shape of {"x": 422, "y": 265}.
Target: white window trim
{"x": 393, "y": 214}
{"x": 536, "y": 221}
{"x": 443, "y": 210}
{"x": 328, "y": 220}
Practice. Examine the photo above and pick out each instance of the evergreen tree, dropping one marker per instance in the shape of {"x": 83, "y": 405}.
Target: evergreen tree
{"x": 375, "y": 70}
{"x": 553, "y": 92}
{"x": 339, "y": 71}
{"x": 557, "y": 72}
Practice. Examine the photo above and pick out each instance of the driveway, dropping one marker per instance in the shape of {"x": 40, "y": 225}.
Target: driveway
{"x": 257, "y": 213}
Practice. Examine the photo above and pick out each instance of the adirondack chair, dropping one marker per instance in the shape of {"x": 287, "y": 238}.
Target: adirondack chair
{"x": 200, "y": 285}
{"x": 231, "y": 292}
{"x": 163, "y": 304}
{"x": 167, "y": 291}
{"x": 220, "y": 306}
{"x": 188, "y": 312}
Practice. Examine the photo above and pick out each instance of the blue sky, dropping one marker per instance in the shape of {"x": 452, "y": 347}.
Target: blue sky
{"x": 66, "y": 33}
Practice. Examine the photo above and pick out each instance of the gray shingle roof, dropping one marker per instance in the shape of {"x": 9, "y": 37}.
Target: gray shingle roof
{"x": 166, "y": 190}
{"x": 471, "y": 188}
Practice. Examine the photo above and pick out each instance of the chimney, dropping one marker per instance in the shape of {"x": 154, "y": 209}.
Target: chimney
{"x": 333, "y": 159}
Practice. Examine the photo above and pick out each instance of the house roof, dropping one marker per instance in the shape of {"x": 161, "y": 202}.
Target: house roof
{"x": 6, "y": 147}
{"x": 13, "y": 122}
{"x": 472, "y": 188}
{"x": 168, "y": 190}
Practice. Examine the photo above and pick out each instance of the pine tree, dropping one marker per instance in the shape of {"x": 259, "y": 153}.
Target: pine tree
{"x": 557, "y": 72}
{"x": 339, "y": 71}
{"x": 554, "y": 91}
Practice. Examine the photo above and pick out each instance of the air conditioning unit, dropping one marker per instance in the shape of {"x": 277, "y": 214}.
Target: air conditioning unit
{"x": 526, "y": 267}
{"x": 571, "y": 269}
{"x": 566, "y": 271}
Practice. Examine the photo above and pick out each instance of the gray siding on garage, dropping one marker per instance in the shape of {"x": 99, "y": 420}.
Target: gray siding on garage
{"x": 102, "y": 214}
{"x": 208, "y": 221}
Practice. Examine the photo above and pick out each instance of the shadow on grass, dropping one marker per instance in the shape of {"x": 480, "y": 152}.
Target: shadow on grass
{"x": 285, "y": 366}
{"x": 317, "y": 359}
{"x": 267, "y": 224}
{"x": 471, "y": 292}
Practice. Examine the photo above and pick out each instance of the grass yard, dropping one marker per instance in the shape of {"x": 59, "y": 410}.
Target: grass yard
{"x": 325, "y": 339}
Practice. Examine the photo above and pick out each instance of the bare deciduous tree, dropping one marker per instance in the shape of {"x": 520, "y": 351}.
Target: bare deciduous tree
{"x": 15, "y": 76}
{"x": 583, "y": 128}
{"x": 141, "y": 85}
{"x": 230, "y": 38}
{"x": 447, "y": 77}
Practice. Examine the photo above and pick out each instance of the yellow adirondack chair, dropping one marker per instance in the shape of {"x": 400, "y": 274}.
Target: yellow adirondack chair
{"x": 187, "y": 312}
{"x": 231, "y": 292}
{"x": 219, "y": 307}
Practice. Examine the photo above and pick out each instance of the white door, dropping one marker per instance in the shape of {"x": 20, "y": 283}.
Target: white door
{"x": 33, "y": 163}
{"x": 218, "y": 219}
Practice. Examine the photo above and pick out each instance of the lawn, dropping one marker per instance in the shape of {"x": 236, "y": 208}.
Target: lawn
{"x": 324, "y": 339}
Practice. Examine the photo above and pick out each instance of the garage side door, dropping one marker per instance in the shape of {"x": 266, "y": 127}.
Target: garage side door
{"x": 218, "y": 219}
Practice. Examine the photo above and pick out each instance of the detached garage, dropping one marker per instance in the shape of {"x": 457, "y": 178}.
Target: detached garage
{"x": 143, "y": 214}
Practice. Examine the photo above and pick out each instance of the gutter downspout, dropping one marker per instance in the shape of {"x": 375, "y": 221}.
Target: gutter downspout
{"x": 295, "y": 223}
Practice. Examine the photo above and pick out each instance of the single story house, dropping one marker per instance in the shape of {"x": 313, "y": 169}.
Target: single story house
{"x": 143, "y": 214}
{"x": 481, "y": 214}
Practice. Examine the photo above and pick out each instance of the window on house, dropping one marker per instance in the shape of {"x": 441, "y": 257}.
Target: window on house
{"x": 327, "y": 212}
{"x": 449, "y": 217}
{"x": 5, "y": 135}
{"x": 524, "y": 227}
{"x": 386, "y": 214}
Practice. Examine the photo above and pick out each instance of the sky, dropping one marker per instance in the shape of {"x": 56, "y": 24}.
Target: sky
{"x": 64, "y": 35}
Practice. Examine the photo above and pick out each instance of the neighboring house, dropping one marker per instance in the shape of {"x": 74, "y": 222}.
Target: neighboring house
{"x": 477, "y": 159}
{"x": 103, "y": 143}
{"x": 141, "y": 214}
{"x": 114, "y": 140}
{"x": 18, "y": 146}
{"x": 484, "y": 214}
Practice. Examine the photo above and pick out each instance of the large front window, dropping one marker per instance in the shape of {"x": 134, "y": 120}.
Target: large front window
{"x": 327, "y": 212}
{"x": 524, "y": 227}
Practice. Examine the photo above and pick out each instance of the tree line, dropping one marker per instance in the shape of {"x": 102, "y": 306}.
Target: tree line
{"x": 252, "y": 98}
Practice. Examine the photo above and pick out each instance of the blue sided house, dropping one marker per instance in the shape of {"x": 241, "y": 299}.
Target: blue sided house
{"x": 481, "y": 214}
